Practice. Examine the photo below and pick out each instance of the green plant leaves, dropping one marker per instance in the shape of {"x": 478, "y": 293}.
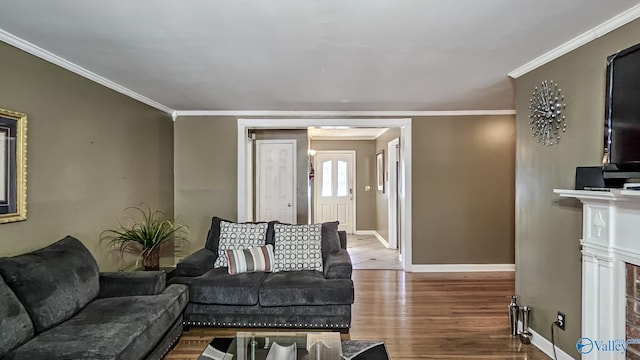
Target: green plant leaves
{"x": 149, "y": 230}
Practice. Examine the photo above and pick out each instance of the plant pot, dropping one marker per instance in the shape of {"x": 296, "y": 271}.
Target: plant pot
{"x": 151, "y": 259}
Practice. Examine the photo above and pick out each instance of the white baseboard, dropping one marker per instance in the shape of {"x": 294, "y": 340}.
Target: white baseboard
{"x": 374, "y": 233}
{"x": 463, "y": 267}
{"x": 546, "y": 347}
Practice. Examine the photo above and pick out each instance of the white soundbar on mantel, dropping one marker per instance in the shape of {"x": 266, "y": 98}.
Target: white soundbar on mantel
{"x": 610, "y": 238}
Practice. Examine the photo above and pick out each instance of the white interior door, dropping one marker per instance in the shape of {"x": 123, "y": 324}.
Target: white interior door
{"x": 276, "y": 180}
{"x": 334, "y": 188}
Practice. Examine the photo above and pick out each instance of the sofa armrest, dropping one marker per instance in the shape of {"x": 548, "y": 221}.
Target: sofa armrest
{"x": 197, "y": 263}
{"x": 338, "y": 265}
{"x": 343, "y": 239}
{"x": 134, "y": 283}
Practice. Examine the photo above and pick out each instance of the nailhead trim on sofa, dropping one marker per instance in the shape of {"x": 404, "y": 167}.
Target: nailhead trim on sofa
{"x": 200, "y": 323}
{"x": 173, "y": 342}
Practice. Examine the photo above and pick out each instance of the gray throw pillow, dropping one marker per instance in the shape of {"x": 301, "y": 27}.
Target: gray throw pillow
{"x": 239, "y": 236}
{"x": 298, "y": 247}
{"x": 213, "y": 236}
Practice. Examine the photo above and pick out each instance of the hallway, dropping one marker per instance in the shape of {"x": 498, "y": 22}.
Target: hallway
{"x": 367, "y": 252}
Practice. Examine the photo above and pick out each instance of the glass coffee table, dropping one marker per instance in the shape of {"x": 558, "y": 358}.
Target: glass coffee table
{"x": 275, "y": 345}
{"x": 288, "y": 346}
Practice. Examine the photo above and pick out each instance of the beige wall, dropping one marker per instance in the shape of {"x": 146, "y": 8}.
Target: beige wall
{"x": 206, "y": 172}
{"x": 365, "y": 176}
{"x": 459, "y": 216}
{"x": 382, "y": 199}
{"x": 548, "y": 259}
{"x": 302, "y": 160}
{"x": 91, "y": 153}
{"x": 463, "y": 190}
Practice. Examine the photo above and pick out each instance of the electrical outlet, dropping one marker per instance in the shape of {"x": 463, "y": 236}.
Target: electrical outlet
{"x": 561, "y": 321}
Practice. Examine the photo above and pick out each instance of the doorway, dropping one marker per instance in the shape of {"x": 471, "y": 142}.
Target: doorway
{"x": 405, "y": 200}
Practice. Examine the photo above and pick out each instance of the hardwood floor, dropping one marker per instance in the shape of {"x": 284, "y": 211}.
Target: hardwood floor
{"x": 420, "y": 316}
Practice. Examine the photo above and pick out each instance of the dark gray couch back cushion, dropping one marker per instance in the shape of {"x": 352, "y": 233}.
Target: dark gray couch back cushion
{"x": 213, "y": 236}
{"x": 53, "y": 283}
{"x": 15, "y": 325}
{"x": 330, "y": 239}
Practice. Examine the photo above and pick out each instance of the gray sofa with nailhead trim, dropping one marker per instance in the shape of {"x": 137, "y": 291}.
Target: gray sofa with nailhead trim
{"x": 291, "y": 299}
{"x": 54, "y": 304}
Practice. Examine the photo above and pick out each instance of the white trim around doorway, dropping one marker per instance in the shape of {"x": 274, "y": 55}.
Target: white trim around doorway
{"x": 393, "y": 148}
{"x": 405, "y": 164}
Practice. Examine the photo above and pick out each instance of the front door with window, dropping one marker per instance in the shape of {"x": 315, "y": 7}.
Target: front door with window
{"x": 334, "y": 191}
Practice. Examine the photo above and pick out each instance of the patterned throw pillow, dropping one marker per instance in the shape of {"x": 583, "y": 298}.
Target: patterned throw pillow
{"x": 298, "y": 247}
{"x": 259, "y": 258}
{"x": 239, "y": 236}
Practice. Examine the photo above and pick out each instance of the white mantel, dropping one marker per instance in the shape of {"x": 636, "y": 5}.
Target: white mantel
{"x": 610, "y": 237}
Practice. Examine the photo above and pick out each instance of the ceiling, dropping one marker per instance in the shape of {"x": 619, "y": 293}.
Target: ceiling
{"x": 344, "y": 133}
{"x": 381, "y": 55}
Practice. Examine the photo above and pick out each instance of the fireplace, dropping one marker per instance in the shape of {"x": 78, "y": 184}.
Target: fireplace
{"x": 610, "y": 272}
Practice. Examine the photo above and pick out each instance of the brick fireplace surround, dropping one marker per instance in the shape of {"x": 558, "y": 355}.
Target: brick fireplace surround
{"x": 633, "y": 310}
{"x": 610, "y": 268}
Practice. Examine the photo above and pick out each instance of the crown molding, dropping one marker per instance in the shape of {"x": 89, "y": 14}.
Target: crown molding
{"x": 68, "y": 65}
{"x": 320, "y": 113}
{"x": 590, "y": 35}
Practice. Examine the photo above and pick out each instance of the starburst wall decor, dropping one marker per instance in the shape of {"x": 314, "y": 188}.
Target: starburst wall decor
{"x": 546, "y": 108}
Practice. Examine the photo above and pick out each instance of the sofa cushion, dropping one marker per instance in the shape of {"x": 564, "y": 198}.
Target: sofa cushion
{"x": 330, "y": 238}
{"x": 213, "y": 236}
{"x": 304, "y": 288}
{"x": 239, "y": 236}
{"x": 216, "y": 286}
{"x": 112, "y": 328}
{"x": 196, "y": 264}
{"x": 132, "y": 283}
{"x": 259, "y": 258}
{"x": 271, "y": 232}
{"x": 298, "y": 247}
{"x": 15, "y": 325}
{"x": 53, "y": 283}
{"x": 338, "y": 265}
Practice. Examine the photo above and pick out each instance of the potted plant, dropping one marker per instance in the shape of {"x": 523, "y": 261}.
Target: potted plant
{"x": 149, "y": 230}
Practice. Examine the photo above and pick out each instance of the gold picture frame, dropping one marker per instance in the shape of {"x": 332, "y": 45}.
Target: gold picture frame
{"x": 13, "y": 166}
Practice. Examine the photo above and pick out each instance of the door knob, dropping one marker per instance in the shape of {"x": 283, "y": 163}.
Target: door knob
{"x": 289, "y": 205}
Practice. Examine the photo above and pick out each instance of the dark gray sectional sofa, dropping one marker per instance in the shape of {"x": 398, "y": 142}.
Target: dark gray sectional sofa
{"x": 54, "y": 304}
{"x": 293, "y": 299}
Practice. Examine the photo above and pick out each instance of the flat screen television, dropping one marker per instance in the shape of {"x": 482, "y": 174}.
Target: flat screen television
{"x": 622, "y": 115}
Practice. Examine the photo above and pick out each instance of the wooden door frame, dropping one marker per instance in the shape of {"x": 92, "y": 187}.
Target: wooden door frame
{"x": 316, "y": 188}
{"x": 294, "y": 201}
